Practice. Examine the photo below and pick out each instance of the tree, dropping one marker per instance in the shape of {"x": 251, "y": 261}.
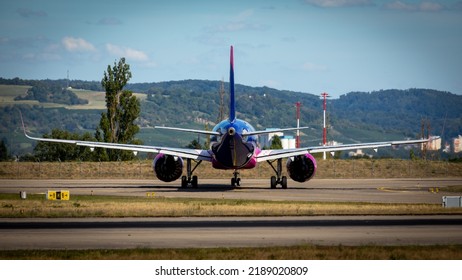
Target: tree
{"x": 4, "y": 156}
{"x": 117, "y": 125}
{"x": 194, "y": 145}
{"x": 276, "y": 143}
{"x": 48, "y": 151}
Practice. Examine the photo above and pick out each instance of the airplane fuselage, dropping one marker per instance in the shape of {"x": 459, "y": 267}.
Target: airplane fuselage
{"x": 232, "y": 150}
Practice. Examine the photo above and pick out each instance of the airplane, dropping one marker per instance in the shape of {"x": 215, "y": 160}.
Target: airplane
{"x": 234, "y": 146}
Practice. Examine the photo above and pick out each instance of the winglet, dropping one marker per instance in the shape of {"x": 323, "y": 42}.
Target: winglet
{"x": 22, "y": 122}
{"x": 24, "y": 128}
{"x": 232, "y": 107}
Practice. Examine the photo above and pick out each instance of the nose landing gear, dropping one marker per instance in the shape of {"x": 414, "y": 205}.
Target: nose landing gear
{"x": 235, "y": 181}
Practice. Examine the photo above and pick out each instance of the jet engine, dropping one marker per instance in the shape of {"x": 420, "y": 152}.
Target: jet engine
{"x": 167, "y": 168}
{"x": 301, "y": 168}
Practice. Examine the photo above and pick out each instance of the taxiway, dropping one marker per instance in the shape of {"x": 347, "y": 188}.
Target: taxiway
{"x": 227, "y": 232}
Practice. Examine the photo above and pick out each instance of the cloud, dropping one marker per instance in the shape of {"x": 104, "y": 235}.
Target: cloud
{"x": 431, "y": 7}
{"x": 424, "y": 6}
{"x": 72, "y": 44}
{"x": 28, "y": 13}
{"x": 339, "y": 3}
{"x": 128, "y": 53}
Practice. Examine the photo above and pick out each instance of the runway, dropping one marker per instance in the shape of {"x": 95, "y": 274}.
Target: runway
{"x": 329, "y": 190}
{"x": 190, "y": 232}
{"x": 227, "y": 232}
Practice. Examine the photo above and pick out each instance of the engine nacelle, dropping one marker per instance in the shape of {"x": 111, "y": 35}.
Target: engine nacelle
{"x": 167, "y": 168}
{"x": 301, "y": 168}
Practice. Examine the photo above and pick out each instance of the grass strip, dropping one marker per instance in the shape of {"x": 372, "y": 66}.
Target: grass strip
{"x": 36, "y": 206}
{"x": 300, "y": 252}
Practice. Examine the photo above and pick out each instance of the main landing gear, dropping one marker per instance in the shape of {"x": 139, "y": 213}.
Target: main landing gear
{"x": 278, "y": 179}
{"x": 235, "y": 181}
{"x": 190, "y": 180}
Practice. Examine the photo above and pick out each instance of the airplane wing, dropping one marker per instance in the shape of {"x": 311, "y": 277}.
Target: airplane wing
{"x": 180, "y": 152}
{"x": 276, "y": 154}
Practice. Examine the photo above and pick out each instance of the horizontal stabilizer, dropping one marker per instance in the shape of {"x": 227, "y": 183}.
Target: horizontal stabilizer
{"x": 272, "y": 131}
{"x": 206, "y": 132}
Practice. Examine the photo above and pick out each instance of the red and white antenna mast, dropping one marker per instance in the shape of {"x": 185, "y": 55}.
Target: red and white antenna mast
{"x": 324, "y": 129}
{"x": 297, "y": 139}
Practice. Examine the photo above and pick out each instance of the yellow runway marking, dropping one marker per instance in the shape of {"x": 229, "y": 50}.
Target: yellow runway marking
{"x": 383, "y": 189}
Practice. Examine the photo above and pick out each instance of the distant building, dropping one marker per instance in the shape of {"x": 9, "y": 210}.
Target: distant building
{"x": 359, "y": 153}
{"x": 288, "y": 142}
{"x": 434, "y": 145}
{"x": 333, "y": 143}
{"x": 457, "y": 144}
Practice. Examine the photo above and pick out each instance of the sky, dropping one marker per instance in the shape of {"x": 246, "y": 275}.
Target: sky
{"x": 313, "y": 46}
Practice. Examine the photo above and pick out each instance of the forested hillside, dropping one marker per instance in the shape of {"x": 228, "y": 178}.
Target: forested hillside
{"x": 355, "y": 116}
{"x": 403, "y": 110}
{"x": 399, "y": 112}
{"x": 44, "y": 93}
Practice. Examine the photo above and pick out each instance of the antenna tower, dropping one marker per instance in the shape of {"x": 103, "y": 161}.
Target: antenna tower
{"x": 297, "y": 139}
{"x": 324, "y": 129}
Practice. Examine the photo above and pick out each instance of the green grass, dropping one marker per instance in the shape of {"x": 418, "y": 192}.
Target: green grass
{"x": 96, "y": 99}
{"x": 36, "y": 206}
{"x": 453, "y": 189}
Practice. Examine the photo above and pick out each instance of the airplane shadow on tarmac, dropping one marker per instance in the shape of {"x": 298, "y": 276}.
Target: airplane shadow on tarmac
{"x": 211, "y": 188}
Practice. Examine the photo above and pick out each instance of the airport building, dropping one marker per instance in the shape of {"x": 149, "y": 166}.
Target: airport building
{"x": 457, "y": 142}
{"x": 288, "y": 142}
{"x": 434, "y": 145}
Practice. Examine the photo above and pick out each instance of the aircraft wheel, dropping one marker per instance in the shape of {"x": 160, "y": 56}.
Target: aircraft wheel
{"x": 233, "y": 182}
{"x": 273, "y": 182}
{"x": 238, "y": 182}
{"x": 184, "y": 182}
{"x": 284, "y": 182}
{"x": 194, "y": 182}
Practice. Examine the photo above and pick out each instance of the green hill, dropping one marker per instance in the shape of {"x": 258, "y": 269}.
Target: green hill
{"x": 354, "y": 117}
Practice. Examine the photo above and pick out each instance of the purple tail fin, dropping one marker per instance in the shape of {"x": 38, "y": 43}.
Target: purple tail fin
{"x": 232, "y": 107}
